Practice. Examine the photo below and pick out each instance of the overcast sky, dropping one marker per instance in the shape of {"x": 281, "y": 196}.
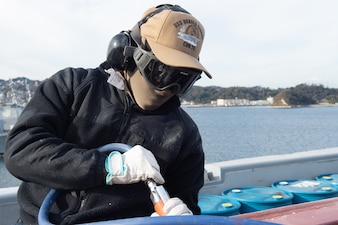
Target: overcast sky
{"x": 269, "y": 43}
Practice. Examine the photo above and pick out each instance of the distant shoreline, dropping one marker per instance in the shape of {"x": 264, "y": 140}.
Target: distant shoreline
{"x": 268, "y": 106}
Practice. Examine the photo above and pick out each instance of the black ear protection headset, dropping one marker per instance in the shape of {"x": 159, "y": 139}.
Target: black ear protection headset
{"x": 116, "y": 57}
{"x": 121, "y": 47}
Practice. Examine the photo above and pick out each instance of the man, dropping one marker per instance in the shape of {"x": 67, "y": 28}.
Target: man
{"x": 55, "y": 143}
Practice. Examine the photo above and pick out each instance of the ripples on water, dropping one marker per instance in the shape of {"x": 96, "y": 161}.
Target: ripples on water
{"x": 241, "y": 132}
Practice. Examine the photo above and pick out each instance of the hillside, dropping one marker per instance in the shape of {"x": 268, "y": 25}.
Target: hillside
{"x": 20, "y": 89}
{"x": 302, "y": 94}
{"x": 17, "y": 91}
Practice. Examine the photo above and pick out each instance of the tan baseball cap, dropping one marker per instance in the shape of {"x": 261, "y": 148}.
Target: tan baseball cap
{"x": 175, "y": 38}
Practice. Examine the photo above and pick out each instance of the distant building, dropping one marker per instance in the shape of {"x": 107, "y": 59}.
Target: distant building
{"x": 242, "y": 102}
{"x": 232, "y": 102}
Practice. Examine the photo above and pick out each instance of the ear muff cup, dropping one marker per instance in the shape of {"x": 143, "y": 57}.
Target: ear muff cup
{"x": 116, "y": 57}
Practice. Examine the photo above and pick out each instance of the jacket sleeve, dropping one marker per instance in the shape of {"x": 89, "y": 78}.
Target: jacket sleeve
{"x": 35, "y": 149}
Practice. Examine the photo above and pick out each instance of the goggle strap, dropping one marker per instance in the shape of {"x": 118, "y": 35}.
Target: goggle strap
{"x": 142, "y": 58}
{"x": 129, "y": 51}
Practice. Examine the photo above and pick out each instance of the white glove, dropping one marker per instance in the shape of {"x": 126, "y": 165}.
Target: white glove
{"x": 137, "y": 164}
{"x": 176, "y": 207}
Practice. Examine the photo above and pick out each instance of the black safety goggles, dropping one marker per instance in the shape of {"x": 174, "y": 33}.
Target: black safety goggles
{"x": 162, "y": 77}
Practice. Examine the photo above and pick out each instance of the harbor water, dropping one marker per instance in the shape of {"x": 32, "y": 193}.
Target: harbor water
{"x": 241, "y": 132}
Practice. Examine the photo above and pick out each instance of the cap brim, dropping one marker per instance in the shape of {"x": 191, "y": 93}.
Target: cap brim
{"x": 175, "y": 58}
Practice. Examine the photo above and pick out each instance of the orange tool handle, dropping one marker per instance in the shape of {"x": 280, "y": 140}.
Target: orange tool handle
{"x": 159, "y": 207}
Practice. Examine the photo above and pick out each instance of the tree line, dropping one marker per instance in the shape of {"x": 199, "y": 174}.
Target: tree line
{"x": 302, "y": 94}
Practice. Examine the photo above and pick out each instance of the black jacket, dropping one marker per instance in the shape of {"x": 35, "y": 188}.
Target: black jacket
{"x": 54, "y": 145}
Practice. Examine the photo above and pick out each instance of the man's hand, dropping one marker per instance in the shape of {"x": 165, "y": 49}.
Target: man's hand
{"x": 175, "y": 207}
{"x": 137, "y": 164}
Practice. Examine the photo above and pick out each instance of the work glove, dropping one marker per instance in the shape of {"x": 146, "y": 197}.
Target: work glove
{"x": 175, "y": 207}
{"x": 137, "y": 164}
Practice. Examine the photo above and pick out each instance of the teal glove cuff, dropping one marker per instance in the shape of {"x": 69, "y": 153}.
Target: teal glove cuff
{"x": 113, "y": 156}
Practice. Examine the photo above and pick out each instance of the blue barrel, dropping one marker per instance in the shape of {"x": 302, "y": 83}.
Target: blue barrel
{"x": 307, "y": 190}
{"x": 257, "y": 198}
{"x": 218, "y": 205}
{"x": 331, "y": 178}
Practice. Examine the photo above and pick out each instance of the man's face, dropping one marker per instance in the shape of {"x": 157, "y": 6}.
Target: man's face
{"x": 145, "y": 95}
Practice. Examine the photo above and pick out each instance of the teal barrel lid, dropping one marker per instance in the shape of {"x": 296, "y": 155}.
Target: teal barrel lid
{"x": 216, "y": 204}
{"x": 258, "y": 194}
{"x": 306, "y": 186}
{"x": 331, "y": 178}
